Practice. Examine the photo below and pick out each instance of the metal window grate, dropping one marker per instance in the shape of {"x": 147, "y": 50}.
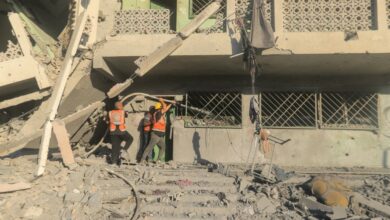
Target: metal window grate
{"x": 349, "y": 110}
{"x": 196, "y": 6}
{"x": 288, "y": 110}
{"x": 205, "y": 109}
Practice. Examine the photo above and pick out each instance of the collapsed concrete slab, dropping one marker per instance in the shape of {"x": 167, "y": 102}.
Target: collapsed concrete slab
{"x": 79, "y": 116}
{"x": 21, "y": 70}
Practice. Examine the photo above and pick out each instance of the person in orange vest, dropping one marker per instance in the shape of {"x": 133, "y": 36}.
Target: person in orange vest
{"x": 147, "y": 129}
{"x": 118, "y": 132}
{"x": 157, "y": 136}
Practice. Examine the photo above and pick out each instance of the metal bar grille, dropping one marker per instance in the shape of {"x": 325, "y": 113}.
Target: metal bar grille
{"x": 206, "y": 109}
{"x": 220, "y": 23}
{"x": 288, "y": 110}
{"x": 349, "y": 110}
{"x": 196, "y": 6}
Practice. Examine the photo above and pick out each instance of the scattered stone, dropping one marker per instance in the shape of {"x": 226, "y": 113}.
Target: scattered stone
{"x": 73, "y": 197}
{"x": 95, "y": 202}
{"x": 314, "y": 208}
{"x": 191, "y": 214}
{"x": 249, "y": 210}
{"x": 338, "y": 213}
{"x": 265, "y": 205}
{"x": 184, "y": 183}
{"x": 33, "y": 212}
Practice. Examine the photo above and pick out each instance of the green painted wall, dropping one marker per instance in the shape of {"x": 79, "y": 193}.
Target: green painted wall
{"x": 135, "y": 4}
{"x": 183, "y": 15}
{"x": 154, "y": 5}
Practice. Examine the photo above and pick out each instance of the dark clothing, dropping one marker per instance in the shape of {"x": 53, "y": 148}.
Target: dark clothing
{"x": 148, "y": 122}
{"x": 159, "y": 133}
{"x": 116, "y": 139}
{"x": 155, "y": 139}
{"x": 145, "y": 144}
{"x": 158, "y": 115}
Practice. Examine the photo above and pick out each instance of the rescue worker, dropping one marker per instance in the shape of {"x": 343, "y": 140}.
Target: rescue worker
{"x": 118, "y": 132}
{"x": 147, "y": 128}
{"x": 157, "y": 136}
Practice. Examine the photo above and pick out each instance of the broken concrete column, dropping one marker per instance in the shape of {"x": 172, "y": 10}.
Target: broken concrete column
{"x": 63, "y": 143}
{"x": 58, "y": 90}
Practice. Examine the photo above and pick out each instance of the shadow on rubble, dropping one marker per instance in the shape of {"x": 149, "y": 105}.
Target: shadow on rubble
{"x": 31, "y": 153}
{"x": 142, "y": 140}
{"x": 196, "y": 146}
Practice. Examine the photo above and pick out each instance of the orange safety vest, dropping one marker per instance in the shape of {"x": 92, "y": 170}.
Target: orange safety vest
{"x": 160, "y": 124}
{"x": 117, "y": 118}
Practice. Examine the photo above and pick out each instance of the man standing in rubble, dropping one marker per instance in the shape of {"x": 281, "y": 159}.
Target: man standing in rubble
{"x": 147, "y": 122}
{"x": 157, "y": 136}
{"x": 118, "y": 132}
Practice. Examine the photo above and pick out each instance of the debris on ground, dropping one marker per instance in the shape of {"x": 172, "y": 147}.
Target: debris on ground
{"x": 96, "y": 190}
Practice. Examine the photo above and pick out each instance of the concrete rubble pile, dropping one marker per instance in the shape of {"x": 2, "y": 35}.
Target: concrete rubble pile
{"x": 177, "y": 191}
{"x": 82, "y": 193}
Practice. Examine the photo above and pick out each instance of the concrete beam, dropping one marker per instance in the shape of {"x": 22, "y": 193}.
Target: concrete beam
{"x": 20, "y": 33}
{"x": 147, "y": 63}
{"x": 297, "y": 43}
{"x": 142, "y": 45}
{"x": 20, "y": 69}
{"x": 26, "y": 67}
{"x": 43, "y": 40}
{"x": 102, "y": 67}
{"x": 200, "y": 19}
{"x": 24, "y": 98}
{"x": 62, "y": 137}
{"x": 58, "y": 91}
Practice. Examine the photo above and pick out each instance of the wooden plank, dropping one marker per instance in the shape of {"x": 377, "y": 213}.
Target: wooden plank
{"x": 63, "y": 142}
{"x": 5, "y": 187}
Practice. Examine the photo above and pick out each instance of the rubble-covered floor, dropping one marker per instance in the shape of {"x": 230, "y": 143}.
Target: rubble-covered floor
{"x": 165, "y": 191}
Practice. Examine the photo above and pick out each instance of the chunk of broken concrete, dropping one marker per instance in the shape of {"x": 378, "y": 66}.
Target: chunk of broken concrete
{"x": 265, "y": 205}
{"x": 73, "y": 197}
{"x": 95, "y": 202}
{"x": 314, "y": 207}
{"x": 338, "y": 213}
{"x": 33, "y": 212}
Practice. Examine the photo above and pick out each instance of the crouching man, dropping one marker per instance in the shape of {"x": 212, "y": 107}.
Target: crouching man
{"x": 118, "y": 133}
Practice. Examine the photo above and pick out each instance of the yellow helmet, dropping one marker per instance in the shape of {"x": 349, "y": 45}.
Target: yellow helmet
{"x": 157, "y": 106}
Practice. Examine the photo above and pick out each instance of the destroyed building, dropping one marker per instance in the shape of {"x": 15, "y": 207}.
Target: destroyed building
{"x": 324, "y": 85}
{"x": 321, "y": 93}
